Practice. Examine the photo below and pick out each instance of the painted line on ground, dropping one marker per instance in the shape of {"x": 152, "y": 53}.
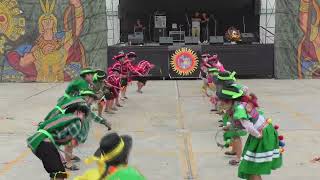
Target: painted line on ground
{"x": 186, "y": 155}
{"x": 8, "y": 166}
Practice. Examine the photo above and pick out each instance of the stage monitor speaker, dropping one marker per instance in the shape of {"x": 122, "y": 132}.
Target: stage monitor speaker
{"x": 248, "y": 38}
{"x": 135, "y": 39}
{"x": 166, "y": 41}
{"x": 216, "y": 40}
{"x": 190, "y": 40}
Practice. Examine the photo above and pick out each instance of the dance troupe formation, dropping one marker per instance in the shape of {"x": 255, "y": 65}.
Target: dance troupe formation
{"x": 241, "y": 114}
{"x": 68, "y": 123}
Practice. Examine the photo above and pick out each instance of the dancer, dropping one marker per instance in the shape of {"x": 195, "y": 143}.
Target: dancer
{"x": 101, "y": 90}
{"x": 112, "y": 158}
{"x": 60, "y": 130}
{"x": 204, "y": 70}
{"x": 90, "y": 97}
{"x": 87, "y": 97}
{"x": 214, "y": 61}
{"x": 143, "y": 67}
{"x": 82, "y": 83}
{"x": 211, "y": 87}
{"x": 261, "y": 153}
{"x": 113, "y": 81}
{"x": 126, "y": 69}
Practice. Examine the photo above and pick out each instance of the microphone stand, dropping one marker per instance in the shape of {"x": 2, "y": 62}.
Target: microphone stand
{"x": 244, "y": 24}
{"x": 189, "y": 26}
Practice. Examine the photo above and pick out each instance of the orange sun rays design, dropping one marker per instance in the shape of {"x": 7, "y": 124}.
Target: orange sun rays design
{"x": 184, "y": 61}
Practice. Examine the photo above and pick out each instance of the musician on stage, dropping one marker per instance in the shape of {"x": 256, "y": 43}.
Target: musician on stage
{"x": 204, "y": 26}
{"x": 196, "y": 19}
{"x": 138, "y": 27}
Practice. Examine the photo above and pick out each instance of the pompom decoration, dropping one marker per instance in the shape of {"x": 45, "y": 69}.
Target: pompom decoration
{"x": 282, "y": 144}
{"x": 281, "y": 150}
{"x": 276, "y": 127}
{"x": 281, "y": 138}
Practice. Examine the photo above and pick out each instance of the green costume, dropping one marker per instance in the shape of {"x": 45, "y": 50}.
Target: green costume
{"x": 78, "y": 84}
{"x": 99, "y": 86}
{"x": 126, "y": 173}
{"x": 50, "y": 129}
{"x": 62, "y": 106}
{"x": 122, "y": 173}
{"x": 260, "y": 155}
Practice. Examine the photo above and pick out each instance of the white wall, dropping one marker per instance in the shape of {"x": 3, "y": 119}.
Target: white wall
{"x": 113, "y": 22}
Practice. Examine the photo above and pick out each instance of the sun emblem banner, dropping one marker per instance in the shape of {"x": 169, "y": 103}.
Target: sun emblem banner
{"x": 184, "y": 62}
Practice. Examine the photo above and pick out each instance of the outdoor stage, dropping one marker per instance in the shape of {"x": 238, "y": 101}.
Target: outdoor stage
{"x": 248, "y": 60}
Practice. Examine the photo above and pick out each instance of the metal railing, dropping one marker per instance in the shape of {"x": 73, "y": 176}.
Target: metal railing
{"x": 268, "y": 35}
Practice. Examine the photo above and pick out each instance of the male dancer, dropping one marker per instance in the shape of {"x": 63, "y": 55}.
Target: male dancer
{"x": 143, "y": 67}
{"x": 62, "y": 129}
{"x": 126, "y": 69}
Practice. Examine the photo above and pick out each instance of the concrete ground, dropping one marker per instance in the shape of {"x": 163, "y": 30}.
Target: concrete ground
{"x": 172, "y": 128}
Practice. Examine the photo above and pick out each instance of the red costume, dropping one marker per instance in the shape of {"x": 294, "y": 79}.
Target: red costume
{"x": 144, "y": 67}
{"x": 113, "y": 80}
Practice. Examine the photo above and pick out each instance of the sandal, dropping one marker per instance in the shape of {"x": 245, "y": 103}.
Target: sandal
{"x": 230, "y": 153}
{"x": 75, "y": 159}
{"x": 234, "y": 162}
{"x": 119, "y": 105}
{"x": 72, "y": 168}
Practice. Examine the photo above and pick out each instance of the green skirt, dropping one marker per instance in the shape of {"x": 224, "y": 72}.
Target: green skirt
{"x": 260, "y": 156}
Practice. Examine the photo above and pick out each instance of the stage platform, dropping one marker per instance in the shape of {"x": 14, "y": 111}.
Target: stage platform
{"x": 248, "y": 60}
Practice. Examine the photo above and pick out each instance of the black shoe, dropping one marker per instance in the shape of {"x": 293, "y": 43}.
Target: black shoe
{"x": 72, "y": 168}
{"x": 220, "y": 121}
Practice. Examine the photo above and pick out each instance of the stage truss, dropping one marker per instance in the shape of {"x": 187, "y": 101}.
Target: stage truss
{"x": 267, "y": 21}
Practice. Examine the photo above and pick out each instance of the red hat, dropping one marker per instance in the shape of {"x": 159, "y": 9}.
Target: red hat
{"x": 205, "y": 55}
{"x": 119, "y": 56}
{"x": 131, "y": 54}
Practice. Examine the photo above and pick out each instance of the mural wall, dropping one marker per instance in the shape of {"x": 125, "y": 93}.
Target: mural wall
{"x": 297, "y": 41}
{"x": 51, "y": 40}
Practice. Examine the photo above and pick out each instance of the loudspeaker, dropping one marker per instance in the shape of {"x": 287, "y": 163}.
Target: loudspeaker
{"x": 248, "y": 38}
{"x": 166, "y": 41}
{"x": 135, "y": 39}
{"x": 257, "y": 7}
{"x": 190, "y": 40}
{"x": 216, "y": 40}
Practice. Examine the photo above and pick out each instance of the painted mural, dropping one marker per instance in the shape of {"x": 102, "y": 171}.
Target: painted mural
{"x": 297, "y": 41}
{"x": 50, "y": 40}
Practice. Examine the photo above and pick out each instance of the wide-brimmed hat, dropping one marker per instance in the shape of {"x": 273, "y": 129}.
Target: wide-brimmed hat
{"x": 230, "y": 92}
{"x": 83, "y": 107}
{"x": 99, "y": 75}
{"x": 131, "y": 54}
{"x": 89, "y": 92}
{"x": 213, "y": 70}
{"x": 226, "y": 78}
{"x": 85, "y": 71}
{"x": 117, "y": 57}
{"x": 205, "y": 55}
{"x": 114, "y": 147}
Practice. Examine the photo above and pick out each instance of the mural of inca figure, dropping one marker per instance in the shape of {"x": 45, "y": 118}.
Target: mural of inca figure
{"x": 309, "y": 46}
{"x": 55, "y": 55}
